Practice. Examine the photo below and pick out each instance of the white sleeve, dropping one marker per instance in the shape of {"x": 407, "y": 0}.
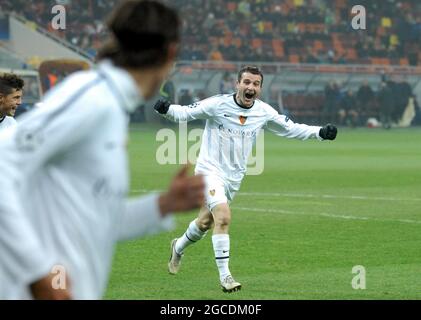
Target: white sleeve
{"x": 285, "y": 127}
{"x": 48, "y": 133}
{"x": 40, "y": 136}
{"x": 142, "y": 217}
{"x": 23, "y": 260}
{"x": 203, "y": 109}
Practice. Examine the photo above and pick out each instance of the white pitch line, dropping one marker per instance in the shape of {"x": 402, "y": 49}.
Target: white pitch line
{"x": 327, "y": 215}
{"x": 322, "y": 214}
{"x": 146, "y": 190}
{"x": 304, "y": 195}
{"x": 326, "y": 196}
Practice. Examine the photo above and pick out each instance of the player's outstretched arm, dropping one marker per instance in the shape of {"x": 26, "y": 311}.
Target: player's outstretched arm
{"x": 151, "y": 214}
{"x": 177, "y": 113}
{"x": 283, "y": 126}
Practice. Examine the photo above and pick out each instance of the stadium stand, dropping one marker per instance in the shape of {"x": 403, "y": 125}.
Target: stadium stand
{"x": 315, "y": 35}
{"x": 312, "y": 31}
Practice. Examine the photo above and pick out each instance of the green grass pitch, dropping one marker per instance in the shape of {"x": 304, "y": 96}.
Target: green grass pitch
{"x": 298, "y": 229}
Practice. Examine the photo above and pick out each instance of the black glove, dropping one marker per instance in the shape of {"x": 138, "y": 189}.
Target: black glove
{"x": 162, "y": 106}
{"x": 328, "y": 132}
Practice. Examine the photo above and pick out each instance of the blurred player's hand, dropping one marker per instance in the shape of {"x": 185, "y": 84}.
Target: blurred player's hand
{"x": 185, "y": 193}
{"x": 328, "y": 132}
{"x": 43, "y": 289}
{"x": 162, "y": 106}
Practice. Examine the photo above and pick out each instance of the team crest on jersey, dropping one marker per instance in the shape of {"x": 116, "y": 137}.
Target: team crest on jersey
{"x": 212, "y": 192}
{"x": 242, "y": 119}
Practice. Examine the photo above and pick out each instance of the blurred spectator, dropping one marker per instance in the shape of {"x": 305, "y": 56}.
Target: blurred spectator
{"x": 215, "y": 54}
{"x": 417, "y": 120}
{"x": 167, "y": 91}
{"x": 348, "y": 112}
{"x": 200, "y": 95}
{"x": 185, "y": 98}
{"x": 331, "y": 56}
{"x": 227, "y": 84}
{"x": 31, "y": 90}
{"x": 209, "y": 21}
{"x": 403, "y": 93}
{"x": 396, "y": 100}
{"x": 332, "y": 96}
{"x": 244, "y": 8}
{"x": 365, "y": 99}
{"x": 311, "y": 56}
{"x": 385, "y": 99}
{"x": 51, "y": 79}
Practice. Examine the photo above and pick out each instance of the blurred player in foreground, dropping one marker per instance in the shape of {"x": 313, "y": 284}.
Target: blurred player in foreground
{"x": 11, "y": 87}
{"x": 64, "y": 167}
{"x": 232, "y": 124}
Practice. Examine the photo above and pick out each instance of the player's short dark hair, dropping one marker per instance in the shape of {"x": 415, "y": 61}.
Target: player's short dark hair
{"x": 142, "y": 33}
{"x": 252, "y": 70}
{"x": 10, "y": 81}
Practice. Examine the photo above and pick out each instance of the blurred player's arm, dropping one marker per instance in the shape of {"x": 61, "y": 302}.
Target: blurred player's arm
{"x": 283, "y": 126}
{"x": 23, "y": 259}
{"x": 152, "y": 213}
{"x": 203, "y": 109}
{"x": 141, "y": 217}
{"x": 32, "y": 143}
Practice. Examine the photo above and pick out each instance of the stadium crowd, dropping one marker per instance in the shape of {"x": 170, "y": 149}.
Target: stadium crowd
{"x": 386, "y": 103}
{"x": 302, "y": 31}
{"x": 308, "y": 31}
{"x": 312, "y": 31}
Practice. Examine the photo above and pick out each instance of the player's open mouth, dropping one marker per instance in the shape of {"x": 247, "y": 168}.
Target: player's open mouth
{"x": 249, "y": 95}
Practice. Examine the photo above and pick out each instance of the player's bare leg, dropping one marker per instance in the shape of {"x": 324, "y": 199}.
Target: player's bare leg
{"x": 205, "y": 220}
{"x": 221, "y": 246}
{"x": 197, "y": 230}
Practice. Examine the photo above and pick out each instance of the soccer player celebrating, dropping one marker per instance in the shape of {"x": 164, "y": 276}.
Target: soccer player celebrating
{"x": 232, "y": 123}
{"x": 64, "y": 167}
{"x": 10, "y": 98}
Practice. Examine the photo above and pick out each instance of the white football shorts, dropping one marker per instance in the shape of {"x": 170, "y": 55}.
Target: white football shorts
{"x": 217, "y": 191}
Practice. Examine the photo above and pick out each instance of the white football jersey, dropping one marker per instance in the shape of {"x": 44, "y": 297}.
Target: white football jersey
{"x": 64, "y": 184}
{"x": 7, "y": 122}
{"x": 231, "y": 131}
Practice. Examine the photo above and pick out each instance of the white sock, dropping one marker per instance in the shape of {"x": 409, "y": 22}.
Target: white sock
{"x": 221, "y": 246}
{"x": 192, "y": 235}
